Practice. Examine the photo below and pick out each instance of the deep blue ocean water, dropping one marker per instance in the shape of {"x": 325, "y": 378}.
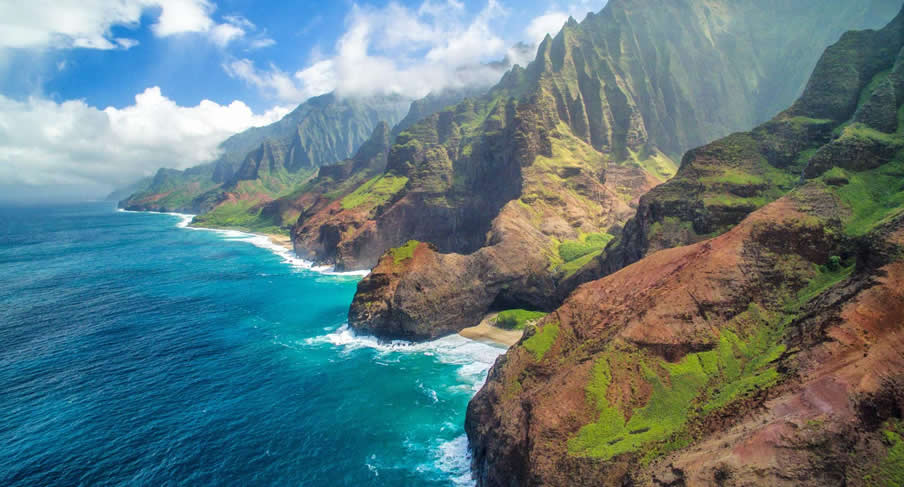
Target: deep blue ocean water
{"x": 134, "y": 351}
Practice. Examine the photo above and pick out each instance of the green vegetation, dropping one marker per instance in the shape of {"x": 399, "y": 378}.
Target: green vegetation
{"x": 861, "y": 131}
{"x": 801, "y": 121}
{"x": 240, "y": 215}
{"x": 871, "y": 87}
{"x": 658, "y": 164}
{"x": 741, "y": 364}
{"x": 542, "y": 341}
{"x": 586, "y": 244}
{"x": 734, "y": 176}
{"x": 890, "y": 471}
{"x": 569, "y": 268}
{"x": 568, "y": 151}
{"x": 670, "y": 224}
{"x": 873, "y": 196}
{"x": 517, "y": 319}
{"x": 325, "y": 129}
{"x": 727, "y": 200}
{"x": 405, "y": 252}
{"x": 763, "y": 181}
{"x": 572, "y": 255}
{"x": 375, "y": 192}
{"x": 828, "y": 276}
{"x": 247, "y": 213}
{"x": 701, "y": 383}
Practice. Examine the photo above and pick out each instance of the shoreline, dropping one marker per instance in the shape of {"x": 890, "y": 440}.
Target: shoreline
{"x": 283, "y": 241}
{"x": 281, "y": 245}
{"x": 488, "y": 333}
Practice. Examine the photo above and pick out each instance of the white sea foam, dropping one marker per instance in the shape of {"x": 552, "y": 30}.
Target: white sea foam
{"x": 288, "y": 256}
{"x": 454, "y": 459}
{"x": 473, "y": 358}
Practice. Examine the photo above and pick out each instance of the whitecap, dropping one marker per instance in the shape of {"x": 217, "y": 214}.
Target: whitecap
{"x": 262, "y": 241}
{"x": 453, "y": 349}
{"x": 453, "y": 458}
{"x": 427, "y": 391}
{"x": 473, "y": 358}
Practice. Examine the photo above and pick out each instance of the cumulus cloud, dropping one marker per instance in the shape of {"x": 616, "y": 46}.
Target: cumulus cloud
{"x": 62, "y": 24}
{"x": 552, "y": 20}
{"x": 410, "y": 51}
{"x": 46, "y": 145}
{"x": 548, "y": 23}
{"x": 272, "y": 81}
{"x": 395, "y": 49}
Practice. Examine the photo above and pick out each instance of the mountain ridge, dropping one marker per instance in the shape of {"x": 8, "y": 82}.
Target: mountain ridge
{"x": 555, "y": 157}
{"x": 764, "y": 354}
{"x": 323, "y": 130}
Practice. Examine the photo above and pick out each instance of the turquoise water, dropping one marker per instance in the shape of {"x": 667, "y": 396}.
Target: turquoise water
{"x": 134, "y": 351}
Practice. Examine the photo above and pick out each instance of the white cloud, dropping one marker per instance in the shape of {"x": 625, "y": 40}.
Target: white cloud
{"x": 180, "y": 16}
{"x": 410, "y": 51}
{"x": 237, "y": 27}
{"x": 45, "y": 144}
{"x": 62, "y": 24}
{"x": 261, "y": 43}
{"x": 394, "y": 49}
{"x": 548, "y": 23}
{"x": 274, "y": 82}
{"x": 126, "y": 43}
{"x": 552, "y": 21}
{"x": 223, "y": 34}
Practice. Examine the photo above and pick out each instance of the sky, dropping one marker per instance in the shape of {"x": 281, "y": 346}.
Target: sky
{"x": 95, "y": 94}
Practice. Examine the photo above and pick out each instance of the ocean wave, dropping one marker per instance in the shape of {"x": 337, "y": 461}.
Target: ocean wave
{"x": 262, "y": 241}
{"x": 453, "y": 458}
{"x": 476, "y": 357}
{"x": 473, "y": 358}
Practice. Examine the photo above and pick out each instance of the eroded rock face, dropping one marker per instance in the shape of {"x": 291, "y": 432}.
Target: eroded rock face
{"x": 764, "y": 354}
{"x": 718, "y": 185}
{"x": 547, "y": 418}
{"x": 516, "y": 267}
{"x": 323, "y": 130}
{"x": 599, "y": 108}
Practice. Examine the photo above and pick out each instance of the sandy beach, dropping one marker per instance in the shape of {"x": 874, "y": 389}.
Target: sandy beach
{"x": 281, "y": 240}
{"x": 486, "y": 332}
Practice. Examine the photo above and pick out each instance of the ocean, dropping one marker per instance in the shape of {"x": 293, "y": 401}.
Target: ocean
{"x": 136, "y": 351}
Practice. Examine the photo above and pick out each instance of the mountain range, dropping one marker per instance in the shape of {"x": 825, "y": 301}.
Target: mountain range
{"x": 763, "y": 353}
{"x": 700, "y": 201}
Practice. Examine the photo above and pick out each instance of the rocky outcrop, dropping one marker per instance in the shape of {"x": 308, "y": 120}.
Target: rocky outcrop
{"x": 268, "y": 160}
{"x": 707, "y": 362}
{"x": 720, "y": 184}
{"x": 765, "y": 353}
{"x": 558, "y": 153}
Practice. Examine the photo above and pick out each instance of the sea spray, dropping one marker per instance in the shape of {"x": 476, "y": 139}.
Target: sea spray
{"x": 384, "y": 413}
{"x": 262, "y": 241}
{"x": 473, "y": 359}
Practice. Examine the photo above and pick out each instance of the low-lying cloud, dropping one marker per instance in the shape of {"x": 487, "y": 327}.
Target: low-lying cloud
{"x": 411, "y": 51}
{"x": 396, "y": 50}
{"x": 49, "y": 146}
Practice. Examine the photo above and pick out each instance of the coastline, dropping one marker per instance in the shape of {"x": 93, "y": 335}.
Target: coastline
{"x": 283, "y": 241}
{"x": 488, "y": 333}
{"x": 281, "y": 245}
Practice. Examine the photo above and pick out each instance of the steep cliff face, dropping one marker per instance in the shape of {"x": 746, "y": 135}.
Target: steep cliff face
{"x": 720, "y": 184}
{"x": 527, "y": 183}
{"x": 307, "y": 194}
{"x": 768, "y": 355}
{"x": 273, "y": 159}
